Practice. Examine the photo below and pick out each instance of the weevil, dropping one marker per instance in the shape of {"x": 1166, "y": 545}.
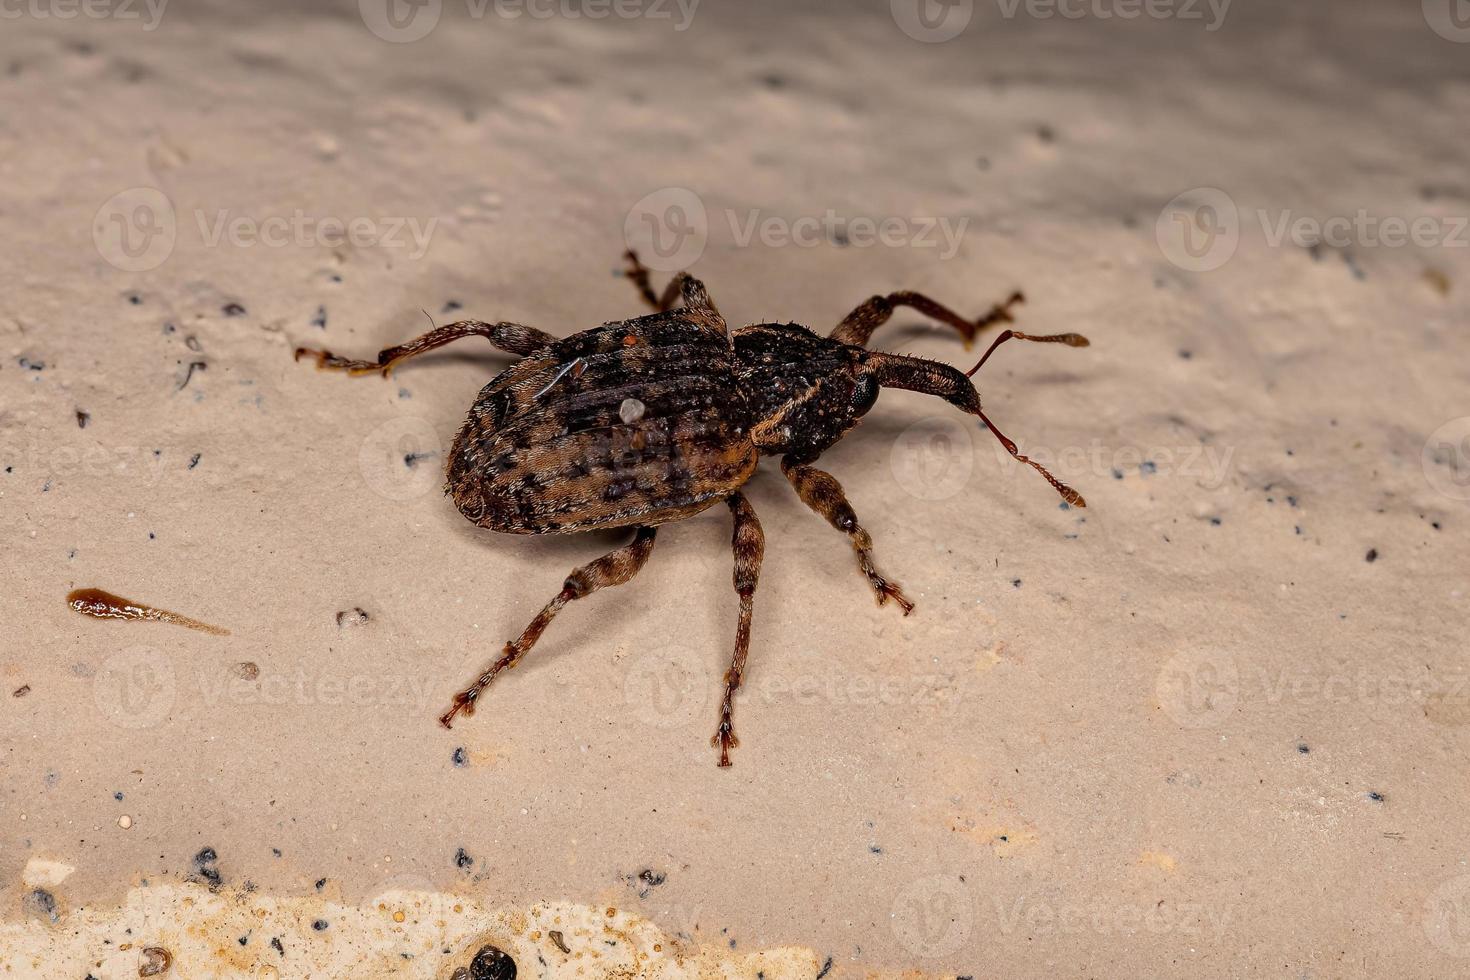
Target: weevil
{"x": 642, "y": 422}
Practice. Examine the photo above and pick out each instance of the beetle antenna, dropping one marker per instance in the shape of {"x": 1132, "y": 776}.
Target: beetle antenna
{"x": 1068, "y": 494}
{"x": 1070, "y": 339}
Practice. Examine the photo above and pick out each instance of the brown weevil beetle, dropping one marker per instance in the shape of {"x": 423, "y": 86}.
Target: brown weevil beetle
{"x": 641, "y": 422}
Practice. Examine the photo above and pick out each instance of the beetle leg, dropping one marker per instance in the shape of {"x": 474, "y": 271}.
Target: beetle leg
{"x": 821, "y": 492}
{"x": 513, "y": 338}
{"x": 749, "y": 544}
{"x": 638, "y": 272}
{"x": 613, "y": 568}
{"x": 682, "y": 286}
{"x": 859, "y": 325}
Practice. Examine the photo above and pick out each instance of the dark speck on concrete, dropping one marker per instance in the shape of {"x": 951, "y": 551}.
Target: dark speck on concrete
{"x": 1216, "y": 521}
{"x": 1372, "y": 555}
{"x": 41, "y": 904}
{"x": 1185, "y": 355}
{"x": 826, "y": 968}
{"x": 451, "y": 305}
{"x": 1148, "y": 467}
{"x": 232, "y": 309}
{"x": 204, "y": 867}
{"x": 1117, "y": 474}
{"x": 82, "y": 419}
{"x": 194, "y": 460}
{"x": 118, "y": 796}
{"x": 1376, "y": 797}
{"x": 321, "y": 883}
{"x": 1015, "y": 583}
{"x": 276, "y": 945}
{"x": 462, "y": 859}
{"x": 1303, "y": 748}
{"x": 135, "y": 299}
{"x": 652, "y": 878}
{"x": 29, "y": 365}
{"x": 320, "y": 319}
{"x": 321, "y": 925}
{"x": 458, "y": 757}
{"x": 874, "y": 849}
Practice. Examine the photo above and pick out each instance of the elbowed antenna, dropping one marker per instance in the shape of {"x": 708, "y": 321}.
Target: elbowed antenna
{"x": 934, "y": 378}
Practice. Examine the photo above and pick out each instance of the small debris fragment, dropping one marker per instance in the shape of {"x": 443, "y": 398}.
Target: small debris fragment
{"x": 459, "y": 758}
{"x": 82, "y": 419}
{"x": 1372, "y": 555}
{"x": 320, "y": 320}
{"x": 204, "y": 867}
{"x": 233, "y": 309}
{"x": 491, "y": 963}
{"x": 193, "y": 461}
{"x": 321, "y": 925}
{"x": 631, "y": 410}
{"x": 125, "y": 822}
{"x": 356, "y": 617}
{"x": 248, "y": 670}
{"x": 21, "y": 691}
{"x": 462, "y": 859}
{"x": 560, "y": 941}
{"x": 154, "y": 961}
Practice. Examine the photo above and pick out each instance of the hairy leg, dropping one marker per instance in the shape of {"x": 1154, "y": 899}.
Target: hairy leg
{"x": 613, "y": 568}
{"x": 513, "y": 338}
{"x": 859, "y": 325}
{"x": 682, "y": 286}
{"x": 821, "y": 492}
{"x": 749, "y": 544}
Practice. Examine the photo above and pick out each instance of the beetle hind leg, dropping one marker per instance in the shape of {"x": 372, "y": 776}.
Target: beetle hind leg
{"x": 513, "y": 338}
{"x": 613, "y": 568}
{"x": 821, "y": 492}
{"x": 749, "y": 544}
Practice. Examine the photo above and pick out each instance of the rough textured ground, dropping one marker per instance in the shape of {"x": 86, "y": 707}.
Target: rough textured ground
{"x": 1214, "y": 725}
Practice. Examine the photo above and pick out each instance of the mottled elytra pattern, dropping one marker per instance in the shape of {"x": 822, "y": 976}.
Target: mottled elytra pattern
{"x": 642, "y": 422}
{"x": 545, "y": 447}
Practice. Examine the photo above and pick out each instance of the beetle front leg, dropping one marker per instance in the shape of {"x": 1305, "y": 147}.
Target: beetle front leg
{"x": 749, "y": 544}
{"x": 513, "y": 338}
{"x": 859, "y": 325}
{"x": 613, "y": 568}
{"x": 821, "y": 492}
{"x": 682, "y": 287}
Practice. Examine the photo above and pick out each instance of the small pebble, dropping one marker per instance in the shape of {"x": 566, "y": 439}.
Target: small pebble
{"x": 125, "y": 822}
{"x": 1372, "y": 554}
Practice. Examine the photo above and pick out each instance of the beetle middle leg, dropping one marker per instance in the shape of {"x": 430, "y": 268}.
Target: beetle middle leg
{"x": 821, "y": 492}
{"x": 613, "y": 568}
{"x": 749, "y": 544}
{"x": 513, "y": 338}
{"x": 859, "y": 325}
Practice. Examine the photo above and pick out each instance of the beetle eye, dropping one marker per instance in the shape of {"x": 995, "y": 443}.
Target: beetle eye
{"x": 864, "y": 394}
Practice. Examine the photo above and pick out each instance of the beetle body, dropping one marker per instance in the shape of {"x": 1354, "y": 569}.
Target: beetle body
{"x": 642, "y": 422}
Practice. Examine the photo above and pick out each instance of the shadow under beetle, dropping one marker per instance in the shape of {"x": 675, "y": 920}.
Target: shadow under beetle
{"x": 641, "y": 422}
